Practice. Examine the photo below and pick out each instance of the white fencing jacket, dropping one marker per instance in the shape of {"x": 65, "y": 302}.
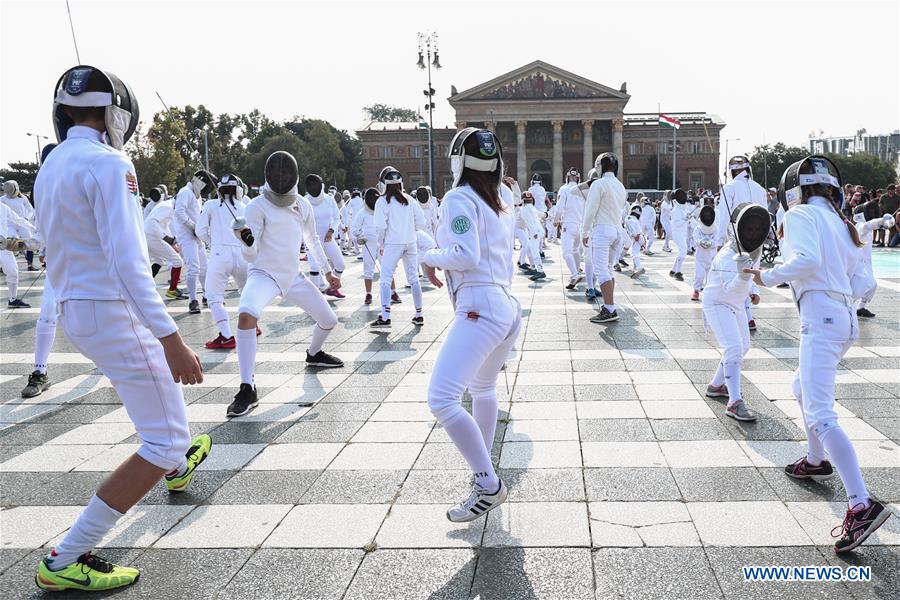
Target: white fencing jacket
{"x": 214, "y": 226}
{"x": 187, "y": 211}
{"x": 606, "y": 201}
{"x": 742, "y": 189}
{"x": 157, "y": 224}
{"x": 327, "y": 214}
{"x": 397, "y": 223}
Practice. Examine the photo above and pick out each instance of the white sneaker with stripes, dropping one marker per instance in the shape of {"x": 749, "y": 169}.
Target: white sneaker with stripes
{"x": 478, "y": 503}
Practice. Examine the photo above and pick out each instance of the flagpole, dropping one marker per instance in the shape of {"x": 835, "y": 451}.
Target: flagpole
{"x": 658, "y": 128}
{"x": 674, "y": 152}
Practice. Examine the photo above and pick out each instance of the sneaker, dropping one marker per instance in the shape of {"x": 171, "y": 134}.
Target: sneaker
{"x": 717, "y": 391}
{"x": 679, "y": 277}
{"x": 649, "y": 252}
{"x": 665, "y": 249}
{"x": 751, "y": 324}
{"x": 783, "y": 285}
{"x": 368, "y": 299}
{"x": 591, "y": 293}
{"x": 221, "y": 343}
{"x": 623, "y": 263}
{"x": 859, "y": 524}
{"x": 32, "y": 268}
{"x": 16, "y": 303}
{"x": 543, "y": 255}
{"x": 194, "y": 307}
{"x": 538, "y": 275}
{"x": 696, "y": 296}
{"x": 478, "y": 503}
{"x": 524, "y": 267}
{"x": 865, "y": 312}
{"x": 204, "y": 301}
{"x": 671, "y": 273}
{"x": 89, "y": 573}
{"x": 323, "y": 359}
{"x": 573, "y": 281}
{"x": 395, "y": 298}
{"x": 196, "y": 454}
{"x": 740, "y": 412}
{"x": 335, "y": 294}
{"x": 176, "y": 294}
{"x": 638, "y": 273}
{"x": 258, "y": 331}
{"x": 801, "y": 469}
{"x": 380, "y": 323}
{"x": 418, "y": 321}
{"x": 244, "y": 401}
{"x": 605, "y": 316}
{"x": 617, "y": 268}
{"x": 37, "y": 383}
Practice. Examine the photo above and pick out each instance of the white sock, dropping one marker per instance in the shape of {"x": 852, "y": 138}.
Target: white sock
{"x": 180, "y": 470}
{"x": 220, "y": 315}
{"x": 13, "y": 288}
{"x": 246, "y": 351}
{"x": 610, "y": 307}
{"x": 719, "y": 378}
{"x": 732, "y": 372}
{"x": 92, "y": 524}
{"x": 44, "y": 335}
{"x": 484, "y": 411}
{"x": 318, "y": 338}
{"x": 843, "y": 457}
{"x": 467, "y": 437}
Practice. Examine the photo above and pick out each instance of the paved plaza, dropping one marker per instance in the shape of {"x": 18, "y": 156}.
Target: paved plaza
{"x": 625, "y": 482}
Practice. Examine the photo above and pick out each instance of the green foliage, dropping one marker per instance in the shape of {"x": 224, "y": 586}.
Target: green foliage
{"x": 770, "y": 162}
{"x": 22, "y": 173}
{"x": 865, "y": 169}
{"x": 383, "y": 113}
{"x": 648, "y": 176}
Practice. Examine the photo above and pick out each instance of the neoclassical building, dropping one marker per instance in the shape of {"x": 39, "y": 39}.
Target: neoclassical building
{"x": 549, "y": 120}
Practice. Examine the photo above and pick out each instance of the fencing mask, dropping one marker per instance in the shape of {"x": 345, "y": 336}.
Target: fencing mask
{"x": 423, "y": 195}
{"x": 680, "y": 196}
{"x": 607, "y": 163}
{"x": 157, "y": 195}
{"x": 707, "y": 220}
{"x": 85, "y": 86}
{"x": 11, "y": 188}
{"x": 812, "y": 170}
{"x": 484, "y": 155}
{"x": 281, "y": 179}
{"x": 752, "y": 224}
{"x": 313, "y": 185}
{"x": 203, "y": 183}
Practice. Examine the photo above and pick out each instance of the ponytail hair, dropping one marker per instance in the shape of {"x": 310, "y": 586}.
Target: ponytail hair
{"x": 825, "y": 191}
{"x": 395, "y": 190}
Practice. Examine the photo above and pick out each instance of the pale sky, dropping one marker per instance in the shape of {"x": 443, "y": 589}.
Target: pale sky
{"x": 774, "y": 71}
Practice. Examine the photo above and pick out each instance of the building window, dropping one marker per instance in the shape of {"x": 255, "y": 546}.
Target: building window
{"x": 416, "y": 151}
{"x": 416, "y": 181}
{"x": 695, "y": 147}
{"x": 665, "y": 147}
{"x": 632, "y": 180}
{"x": 632, "y": 148}
{"x": 695, "y": 178}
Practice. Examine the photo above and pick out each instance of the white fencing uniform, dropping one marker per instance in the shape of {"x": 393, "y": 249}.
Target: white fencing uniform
{"x": 327, "y": 216}
{"x": 533, "y": 231}
{"x": 12, "y": 226}
{"x": 570, "y": 214}
{"x": 606, "y": 201}
{"x": 274, "y": 270}
{"x": 187, "y": 211}
{"x": 703, "y": 257}
{"x": 681, "y": 214}
{"x": 157, "y": 226}
{"x": 149, "y": 208}
{"x": 636, "y": 239}
{"x": 364, "y": 229}
{"x": 648, "y": 224}
{"x": 395, "y": 232}
{"x": 665, "y": 219}
{"x": 864, "y": 229}
{"x": 214, "y": 227}
{"x": 475, "y": 247}
{"x": 741, "y": 189}
{"x": 723, "y": 312}
{"x": 20, "y": 205}
{"x": 540, "y": 197}
{"x": 430, "y": 212}
{"x": 823, "y": 267}
{"x": 550, "y": 224}
{"x": 89, "y": 215}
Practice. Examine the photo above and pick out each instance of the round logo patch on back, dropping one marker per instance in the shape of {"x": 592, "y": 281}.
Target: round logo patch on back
{"x": 460, "y": 225}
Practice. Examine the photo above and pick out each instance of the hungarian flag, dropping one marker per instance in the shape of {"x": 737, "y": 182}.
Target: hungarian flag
{"x": 670, "y": 121}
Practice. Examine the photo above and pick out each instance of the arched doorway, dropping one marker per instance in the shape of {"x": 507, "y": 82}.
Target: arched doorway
{"x": 542, "y": 168}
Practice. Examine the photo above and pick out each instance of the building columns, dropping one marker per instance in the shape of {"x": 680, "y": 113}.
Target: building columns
{"x": 588, "y": 147}
{"x": 617, "y": 126}
{"x": 557, "y": 153}
{"x": 521, "y": 161}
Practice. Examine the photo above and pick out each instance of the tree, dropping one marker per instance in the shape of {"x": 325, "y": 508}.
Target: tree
{"x": 342, "y": 168}
{"x": 253, "y": 172}
{"x": 383, "y": 113}
{"x": 648, "y": 175}
{"x": 865, "y": 169}
{"x": 158, "y": 156}
{"x": 769, "y": 162}
{"x": 22, "y": 173}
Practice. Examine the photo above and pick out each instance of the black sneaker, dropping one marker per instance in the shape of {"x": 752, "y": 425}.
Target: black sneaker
{"x": 605, "y": 316}
{"x": 543, "y": 255}
{"x": 538, "y": 275}
{"x": 323, "y": 359}
{"x": 395, "y": 299}
{"x": 37, "y": 383}
{"x": 418, "y": 321}
{"x": 623, "y": 263}
{"x": 244, "y": 401}
{"x": 865, "y": 312}
{"x": 16, "y": 303}
{"x": 368, "y": 299}
{"x": 194, "y": 307}
{"x": 801, "y": 469}
{"x": 679, "y": 277}
{"x": 617, "y": 268}
{"x": 524, "y": 267}
{"x": 380, "y": 323}
{"x": 783, "y": 285}
{"x": 671, "y": 273}
{"x": 205, "y": 302}
{"x": 858, "y": 525}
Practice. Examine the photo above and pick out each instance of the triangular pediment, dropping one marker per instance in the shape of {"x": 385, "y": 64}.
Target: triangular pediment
{"x": 539, "y": 81}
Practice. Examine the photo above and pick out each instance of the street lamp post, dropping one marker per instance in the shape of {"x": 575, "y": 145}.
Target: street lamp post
{"x": 428, "y": 43}
{"x": 37, "y": 138}
{"x": 726, "y": 154}
{"x": 205, "y": 147}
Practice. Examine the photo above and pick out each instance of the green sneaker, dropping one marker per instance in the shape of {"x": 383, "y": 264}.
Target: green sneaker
{"x": 89, "y": 573}
{"x": 196, "y": 454}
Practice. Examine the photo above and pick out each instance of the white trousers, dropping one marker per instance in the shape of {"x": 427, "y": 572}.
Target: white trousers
{"x": 162, "y": 253}
{"x": 393, "y": 254}
{"x": 369, "y": 254}
{"x": 869, "y": 294}
{"x": 11, "y": 270}
{"x": 636, "y": 254}
{"x": 534, "y": 253}
{"x": 335, "y": 258}
{"x": 572, "y": 249}
{"x": 224, "y": 262}
{"x": 194, "y": 253}
{"x": 522, "y": 236}
{"x": 733, "y": 337}
{"x": 261, "y": 289}
{"x": 667, "y": 228}
{"x": 679, "y": 236}
{"x": 604, "y": 241}
{"x": 649, "y": 235}
{"x": 702, "y": 262}
{"x": 109, "y": 334}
